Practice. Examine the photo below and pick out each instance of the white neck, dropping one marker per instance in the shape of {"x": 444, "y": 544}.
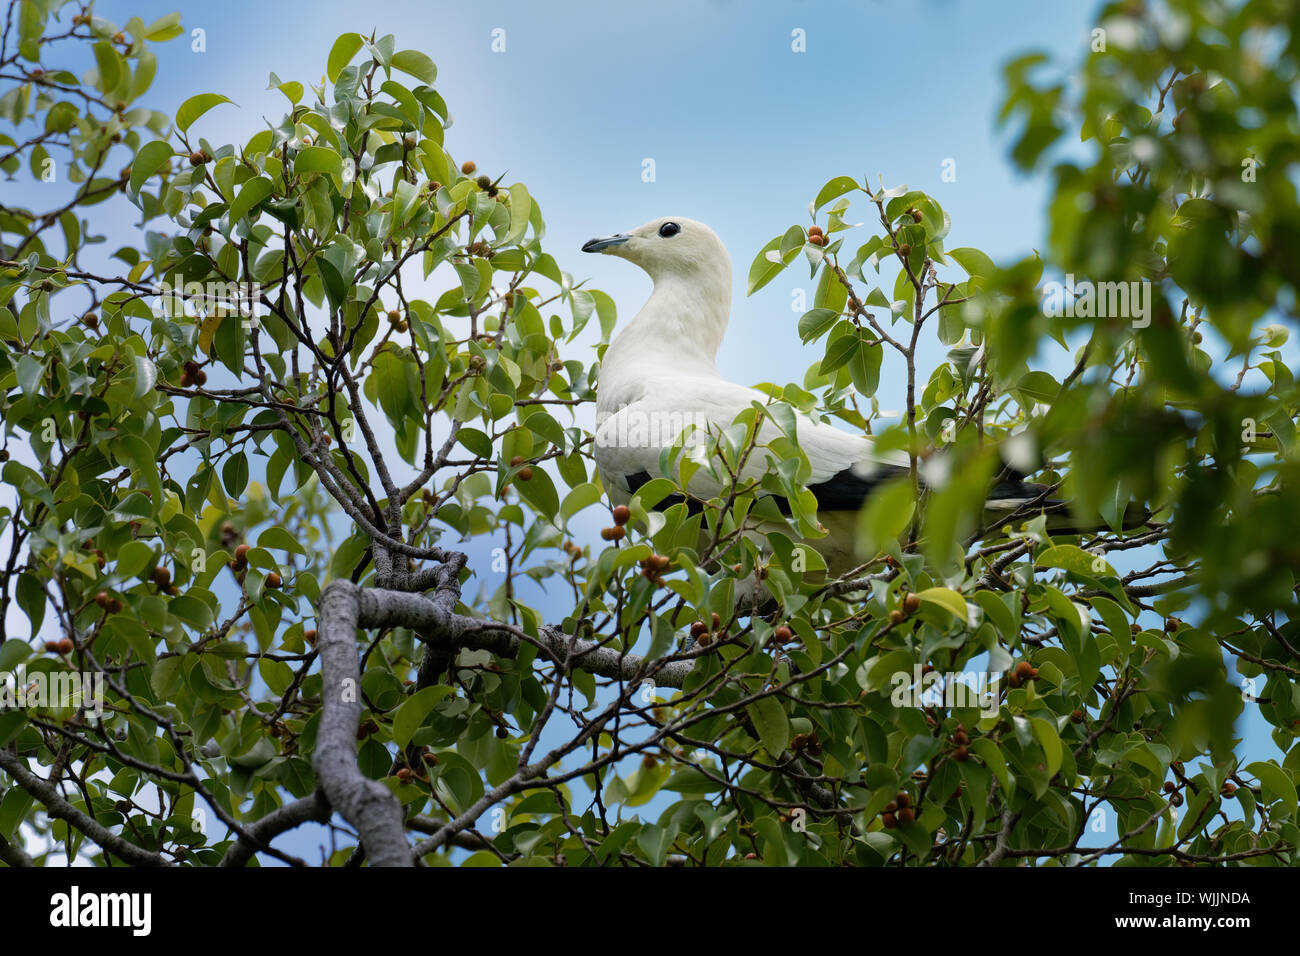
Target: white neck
{"x": 681, "y": 325}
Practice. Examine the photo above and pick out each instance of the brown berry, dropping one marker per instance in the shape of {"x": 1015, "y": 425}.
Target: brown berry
{"x": 614, "y": 533}
{"x": 815, "y": 230}
{"x": 468, "y": 167}
{"x": 905, "y": 250}
{"x": 911, "y": 602}
{"x": 960, "y": 738}
{"x": 273, "y": 580}
{"x": 198, "y": 158}
{"x": 896, "y": 616}
{"x": 52, "y": 647}
{"x": 699, "y": 629}
{"x": 404, "y": 774}
{"x": 817, "y": 240}
{"x": 1076, "y": 716}
{"x": 430, "y": 760}
{"x": 1170, "y": 786}
{"x": 526, "y": 474}
{"x": 1229, "y": 790}
{"x": 961, "y": 754}
{"x": 904, "y": 798}
{"x": 161, "y": 576}
{"x": 1176, "y": 799}
{"x": 102, "y": 599}
{"x": 915, "y": 214}
{"x": 90, "y": 320}
{"x": 65, "y": 646}
{"x": 889, "y": 820}
{"x": 622, "y": 514}
{"x": 309, "y": 635}
{"x": 906, "y": 815}
{"x": 783, "y": 634}
{"x": 1023, "y": 670}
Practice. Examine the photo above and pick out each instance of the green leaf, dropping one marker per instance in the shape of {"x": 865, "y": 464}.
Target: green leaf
{"x": 318, "y": 159}
{"x": 814, "y": 323}
{"x": 946, "y": 598}
{"x": 973, "y": 261}
{"x": 1047, "y": 737}
{"x": 411, "y": 714}
{"x": 1074, "y": 559}
{"x": 771, "y": 723}
{"x": 277, "y": 539}
{"x": 151, "y": 158}
{"x": 252, "y": 193}
{"x": 146, "y": 376}
{"x": 833, "y": 190}
{"x": 415, "y": 63}
{"x": 344, "y": 49}
{"x": 196, "y": 106}
{"x": 110, "y": 64}
{"x": 1276, "y": 783}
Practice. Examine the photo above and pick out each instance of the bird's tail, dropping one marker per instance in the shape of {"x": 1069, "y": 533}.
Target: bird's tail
{"x": 1018, "y": 501}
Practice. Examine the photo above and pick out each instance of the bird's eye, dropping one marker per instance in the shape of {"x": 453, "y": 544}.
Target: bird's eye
{"x": 669, "y": 229}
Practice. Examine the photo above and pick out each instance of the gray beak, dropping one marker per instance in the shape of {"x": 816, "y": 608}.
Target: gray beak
{"x": 598, "y": 245}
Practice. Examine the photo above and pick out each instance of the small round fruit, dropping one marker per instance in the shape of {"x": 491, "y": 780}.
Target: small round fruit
{"x": 961, "y": 754}
{"x": 273, "y": 580}
{"x": 783, "y": 634}
{"x": 161, "y": 576}
{"x": 896, "y": 616}
{"x": 1176, "y": 799}
{"x": 622, "y": 514}
{"x": 102, "y": 599}
{"x": 1229, "y": 790}
{"x": 309, "y": 635}
{"x": 502, "y": 733}
{"x": 915, "y": 214}
{"x": 241, "y": 552}
{"x": 52, "y": 647}
{"x": 906, "y": 815}
{"x": 430, "y": 760}
{"x": 198, "y": 158}
{"x": 817, "y": 240}
{"x": 911, "y": 602}
{"x": 905, "y": 249}
{"x": 65, "y": 646}
{"x": 525, "y": 473}
{"x": 90, "y": 320}
{"x": 889, "y": 821}
{"x": 815, "y": 231}
{"x": 699, "y": 629}
{"x": 1023, "y": 670}
{"x": 1076, "y": 716}
{"x": 904, "y": 798}
{"x": 468, "y": 167}
{"x": 404, "y": 774}
{"x": 1170, "y": 786}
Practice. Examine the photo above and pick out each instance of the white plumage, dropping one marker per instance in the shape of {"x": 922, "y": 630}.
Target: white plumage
{"x": 660, "y": 374}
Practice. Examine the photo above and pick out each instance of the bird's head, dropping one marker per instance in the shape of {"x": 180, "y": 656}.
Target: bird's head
{"x": 672, "y": 246}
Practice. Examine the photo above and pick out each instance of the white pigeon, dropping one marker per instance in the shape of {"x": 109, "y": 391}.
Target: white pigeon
{"x": 660, "y": 373}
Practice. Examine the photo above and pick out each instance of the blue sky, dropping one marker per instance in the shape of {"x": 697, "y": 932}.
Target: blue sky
{"x": 743, "y": 131}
